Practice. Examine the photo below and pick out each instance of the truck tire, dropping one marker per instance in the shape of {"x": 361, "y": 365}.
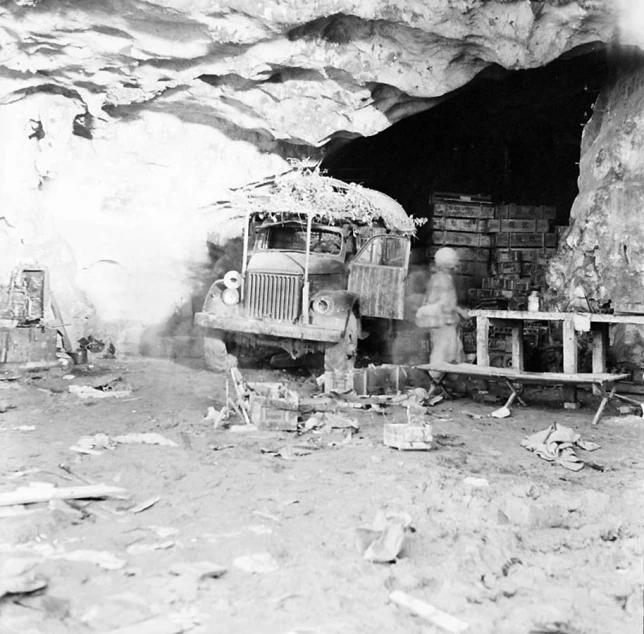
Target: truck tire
{"x": 216, "y": 357}
{"x": 341, "y": 357}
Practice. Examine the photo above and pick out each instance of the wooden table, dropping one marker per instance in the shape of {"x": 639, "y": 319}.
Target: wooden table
{"x": 572, "y": 323}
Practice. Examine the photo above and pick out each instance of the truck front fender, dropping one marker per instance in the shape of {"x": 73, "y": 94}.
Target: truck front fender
{"x": 332, "y": 308}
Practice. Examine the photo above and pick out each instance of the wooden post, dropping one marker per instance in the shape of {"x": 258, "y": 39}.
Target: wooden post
{"x": 570, "y": 352}
{"x": 600, "y": 347}
{"x": 517, "y": 346}
{"x": 482, "y": 334}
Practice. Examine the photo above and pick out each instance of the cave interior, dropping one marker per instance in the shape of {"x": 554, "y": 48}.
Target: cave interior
{"x": 511, "y": 135}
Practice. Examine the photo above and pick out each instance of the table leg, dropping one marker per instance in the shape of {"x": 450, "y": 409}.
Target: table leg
{"x": 517, "y": 346}
{"x": 570, "y": 352}
{"x": 482, "y": 338}
{"x": 600, "y": 347}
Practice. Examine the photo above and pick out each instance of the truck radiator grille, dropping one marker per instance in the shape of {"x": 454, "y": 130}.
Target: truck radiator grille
{"x": 274, "y": 296}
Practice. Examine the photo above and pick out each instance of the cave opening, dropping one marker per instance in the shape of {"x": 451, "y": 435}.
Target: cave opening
{"x": 512, "y": 135}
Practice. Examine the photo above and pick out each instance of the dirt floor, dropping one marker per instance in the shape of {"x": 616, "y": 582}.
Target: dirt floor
{"x": 537, "y": 549}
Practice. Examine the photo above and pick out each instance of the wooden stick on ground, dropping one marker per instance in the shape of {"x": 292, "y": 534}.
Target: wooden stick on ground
{"x": 32, "y": 495}
{"x": 435, "y": 616}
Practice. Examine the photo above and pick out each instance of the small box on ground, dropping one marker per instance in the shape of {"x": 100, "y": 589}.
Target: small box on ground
{"x": 273, "y": 406}
{"x": 407, "y": 437}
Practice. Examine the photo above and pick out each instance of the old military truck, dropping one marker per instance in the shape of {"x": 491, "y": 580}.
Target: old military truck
{"x": 310, "y": 277}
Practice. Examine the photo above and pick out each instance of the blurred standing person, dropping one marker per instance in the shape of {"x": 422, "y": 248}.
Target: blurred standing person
{"x": 440, "y": 312}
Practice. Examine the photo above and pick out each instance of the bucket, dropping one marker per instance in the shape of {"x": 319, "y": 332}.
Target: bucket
{"x": 79, "y": 357}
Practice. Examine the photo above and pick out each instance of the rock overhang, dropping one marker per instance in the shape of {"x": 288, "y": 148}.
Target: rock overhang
{"x": 298, "y": 72}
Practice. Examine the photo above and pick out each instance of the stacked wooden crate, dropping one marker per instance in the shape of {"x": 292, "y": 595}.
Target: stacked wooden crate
{"x": 525, "y": 238}
{"x": 461, "y": 222}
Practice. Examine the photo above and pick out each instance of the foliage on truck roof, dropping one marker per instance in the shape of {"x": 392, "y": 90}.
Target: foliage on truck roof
{"x": 304, "y": 191}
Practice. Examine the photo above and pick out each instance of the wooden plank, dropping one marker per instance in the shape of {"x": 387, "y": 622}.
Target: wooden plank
{"x": 463, "y": 210}
{"x": 67, "y": 342}
{"x": 554, "y": 378}
{"x": 454, "y": 238}
{"x": 570, "y": 357}
{"x": 482, "y": 335}
{"x": 600, "y": 346}
{"x": 517, "y": 346}
{"x": 33, "y": 494}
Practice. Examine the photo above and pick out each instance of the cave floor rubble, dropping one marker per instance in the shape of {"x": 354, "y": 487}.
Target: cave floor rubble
{"x": 221, "y": 531}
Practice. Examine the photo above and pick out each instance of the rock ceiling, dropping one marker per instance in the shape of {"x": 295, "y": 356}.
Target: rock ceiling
{"x": 287, "y": 70}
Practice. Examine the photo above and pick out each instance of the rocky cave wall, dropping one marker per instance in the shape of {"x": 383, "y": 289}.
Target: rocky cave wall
{"x": 123, "y": 120}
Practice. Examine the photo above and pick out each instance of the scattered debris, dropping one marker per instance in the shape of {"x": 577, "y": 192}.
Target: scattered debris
{"x": 477, "y": 483}
{"x": 85, "y": 391}
{"x": 384, "y": 540}
{"x": 272, "y": 406}
{"x": 260, "y": 563}
{"x": 146, "y": 439}
{"x": 102, "y": 559}
{"x": 471, "y": 415}
{"x": 18, "y": 576}
{"x": 556, "y": 444}
{"x": 143, "y": 506}
{"x": 139, "y": 549}
{"x": 24, "y": 428}
{"x": 436, "y": 617}
{"x": 408, "y": 437}
{"x": 5, "y": 406}
{"x": 92, "y": 445}
{"x": 326, "y": 421}
{"x": 91, "y": 343}
{"x": 198, "y": 570}
{"x": 155, "y": 625}
{"x": 44, "y": 492}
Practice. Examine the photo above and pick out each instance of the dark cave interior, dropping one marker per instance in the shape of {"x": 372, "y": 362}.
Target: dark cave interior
{"x": 514, "y": 135}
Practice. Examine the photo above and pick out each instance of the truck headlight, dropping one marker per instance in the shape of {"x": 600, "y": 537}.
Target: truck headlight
{"x": 232, "y": 279}
{"x": 322, "y": 305}
{"x": 230, "y": 296}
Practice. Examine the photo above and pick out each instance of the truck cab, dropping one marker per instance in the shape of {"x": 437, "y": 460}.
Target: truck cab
{"x": 307, "y": 282}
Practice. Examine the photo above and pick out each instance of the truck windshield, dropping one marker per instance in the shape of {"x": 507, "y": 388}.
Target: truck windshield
{"x": 292, "y": 237}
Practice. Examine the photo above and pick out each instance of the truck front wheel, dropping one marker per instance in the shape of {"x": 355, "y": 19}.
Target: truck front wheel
{"x": 216, "y": 357}
{"x": 340, "y": 358}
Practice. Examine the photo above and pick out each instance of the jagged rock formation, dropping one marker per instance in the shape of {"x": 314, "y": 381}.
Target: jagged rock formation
{"x": 122, "y": 120}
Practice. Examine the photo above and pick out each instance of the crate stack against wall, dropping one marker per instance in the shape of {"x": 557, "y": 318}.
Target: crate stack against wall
{"x": 461, "y": 222}
{"x": 525, "y": 238}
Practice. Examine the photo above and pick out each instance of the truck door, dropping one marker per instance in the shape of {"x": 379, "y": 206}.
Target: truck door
{"x": 377, "y": 276}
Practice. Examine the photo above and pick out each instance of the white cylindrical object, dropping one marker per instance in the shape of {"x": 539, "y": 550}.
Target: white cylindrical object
{"x": 232, "y": 279}
{"x": 429, "y": 612}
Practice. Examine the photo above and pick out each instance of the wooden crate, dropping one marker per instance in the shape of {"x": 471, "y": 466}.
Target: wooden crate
{"x": 465, "y": 254}
{"x": 273, "y": 406}
{"x": 31, "y": 347}
{"x": 407, "y": 437}
{"x": 509, "y": 268}
{"x": 469, "y": 225}
{"x": 506, "y": 225}
{"x": 525, "y": 212}
{"x": 526, "y": 240}
{"x": 463, "y": 210}
{"x": 474, "y": 269}
{"x": 454, "y": 238}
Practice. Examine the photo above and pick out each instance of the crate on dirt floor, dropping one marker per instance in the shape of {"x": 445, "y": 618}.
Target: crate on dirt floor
{"x": 273, "y": 406}
{"x": 407, "y": 437}
{"x": 340, "y": 382}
